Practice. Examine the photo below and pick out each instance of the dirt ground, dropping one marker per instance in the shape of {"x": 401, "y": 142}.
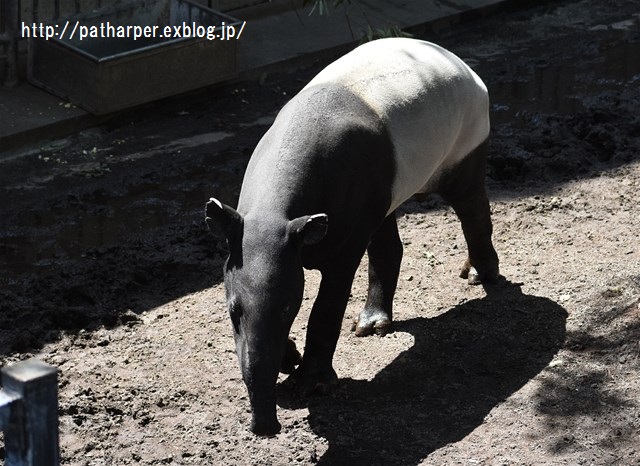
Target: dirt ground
{"x": 111, "y": 276}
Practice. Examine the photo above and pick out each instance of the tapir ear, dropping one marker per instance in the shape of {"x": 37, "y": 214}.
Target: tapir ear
{"x": 310, "y": 229}
{"x": 221, "y": 219}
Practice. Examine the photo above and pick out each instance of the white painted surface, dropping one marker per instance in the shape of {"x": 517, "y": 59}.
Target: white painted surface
{"x": 435, "y": 107}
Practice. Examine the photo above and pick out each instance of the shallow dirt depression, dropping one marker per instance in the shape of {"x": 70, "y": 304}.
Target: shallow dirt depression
{"x": 110, "y": 275}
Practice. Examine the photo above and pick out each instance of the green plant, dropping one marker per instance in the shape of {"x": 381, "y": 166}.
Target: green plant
{"x": 391, "y": 31}
{"x": 322, "y": 5}
{"x": 323, "y": 8}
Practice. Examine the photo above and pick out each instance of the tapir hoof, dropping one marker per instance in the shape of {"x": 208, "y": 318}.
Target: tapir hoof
{"x": 311, "y": 383}
{"x": 291, "y": 357}
{"x": 265, "y": 428}
{"x": 473, "y": 277}
{"x": 372, "y": 322}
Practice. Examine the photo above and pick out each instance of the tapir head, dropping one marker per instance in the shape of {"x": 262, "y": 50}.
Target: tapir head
{"x": 264, "y": 282}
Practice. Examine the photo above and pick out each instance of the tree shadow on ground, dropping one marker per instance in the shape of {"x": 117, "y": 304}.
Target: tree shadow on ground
{"x": 463, "y": 364}
{"x": 588, "y": 397}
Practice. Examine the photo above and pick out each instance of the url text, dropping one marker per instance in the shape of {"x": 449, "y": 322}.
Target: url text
{"x": 135, "y": 32}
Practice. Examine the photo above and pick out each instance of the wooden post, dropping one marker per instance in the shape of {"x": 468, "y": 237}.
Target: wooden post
{"x": 29, "y": 414}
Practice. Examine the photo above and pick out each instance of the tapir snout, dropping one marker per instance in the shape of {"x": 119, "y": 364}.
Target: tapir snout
{"x": 260, "y": 377}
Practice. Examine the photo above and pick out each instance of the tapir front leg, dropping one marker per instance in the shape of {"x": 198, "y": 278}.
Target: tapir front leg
{"x": 466, "y": 193}
{"x": 315, "y": 373}
{"x": 385, "y": 256}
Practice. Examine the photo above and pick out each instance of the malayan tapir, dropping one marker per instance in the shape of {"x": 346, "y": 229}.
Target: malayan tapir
{"x": 392, "y": 118}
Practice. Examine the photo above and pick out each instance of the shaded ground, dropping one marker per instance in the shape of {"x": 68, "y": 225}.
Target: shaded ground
{"x": 110, "y": 275}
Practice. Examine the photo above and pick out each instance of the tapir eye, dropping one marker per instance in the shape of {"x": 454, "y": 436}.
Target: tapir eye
{"x": 235, "y": 312}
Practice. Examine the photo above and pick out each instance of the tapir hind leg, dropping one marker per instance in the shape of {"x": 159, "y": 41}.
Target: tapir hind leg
{"x": 464, "y": 190}
{"x": 385, "y": 256}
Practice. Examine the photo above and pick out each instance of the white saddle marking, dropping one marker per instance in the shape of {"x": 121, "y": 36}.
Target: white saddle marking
{"x": 435, "y": 107}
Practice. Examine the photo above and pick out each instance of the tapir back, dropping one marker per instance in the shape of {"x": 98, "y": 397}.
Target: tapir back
{"x": 434, "y": 106}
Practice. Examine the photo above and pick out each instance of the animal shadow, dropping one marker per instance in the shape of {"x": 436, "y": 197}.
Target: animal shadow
{"x": 463, "y": 364}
